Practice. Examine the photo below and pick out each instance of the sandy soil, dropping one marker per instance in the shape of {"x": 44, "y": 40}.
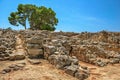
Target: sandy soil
{"x": 46, "y": 71}
{"x": 110, "y": 72}
{"x": 42, "y": 71}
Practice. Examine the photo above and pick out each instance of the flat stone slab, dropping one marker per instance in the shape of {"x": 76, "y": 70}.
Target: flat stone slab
{"x": 34, "y": 61}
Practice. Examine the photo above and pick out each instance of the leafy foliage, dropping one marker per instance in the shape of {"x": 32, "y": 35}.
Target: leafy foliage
{"x": 9, "y": 28}
{"x": 41, "y": 18}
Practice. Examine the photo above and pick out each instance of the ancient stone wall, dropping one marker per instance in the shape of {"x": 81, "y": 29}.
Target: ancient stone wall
{"x": 95, "y": 48}
{"x": 7, "y": 43}
{"x": 64, "y": 49}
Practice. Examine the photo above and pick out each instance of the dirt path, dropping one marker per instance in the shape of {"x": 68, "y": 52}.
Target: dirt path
{"x": 19, "y": 47}
{"x": 42, "y": 71}
{"x": 110, "y": 72}
{"x": 46, "y": 71}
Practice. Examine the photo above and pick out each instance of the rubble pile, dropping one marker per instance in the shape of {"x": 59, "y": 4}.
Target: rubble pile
{"x": 55, "y": 53}
{"x": 100, "y": 48}
{"x": 13, "y": 67}
{"x": 7, "y": 43}
{"x": 63, "y": 49}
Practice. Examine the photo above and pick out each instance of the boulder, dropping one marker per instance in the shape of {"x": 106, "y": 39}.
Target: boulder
{"x": 2, "y": 48}
{"x": 60, "y": 61}
{"x": 49, "y": 50}
{"x": 72, "y": 69}
{"x": 74, "y": 60}
{"x": 81, "y": 75}
{"x": 63, "y": 61}
{"x": 53, "y": 59}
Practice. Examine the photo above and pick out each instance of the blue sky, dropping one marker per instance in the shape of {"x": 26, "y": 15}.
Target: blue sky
{"x": 73, "y": 15}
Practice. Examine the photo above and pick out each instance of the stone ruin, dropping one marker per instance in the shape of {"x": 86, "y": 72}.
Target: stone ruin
{"x": 62, "y": 49}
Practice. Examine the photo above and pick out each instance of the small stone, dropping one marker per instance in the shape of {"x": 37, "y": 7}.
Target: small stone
{"x": 3, "y": 72}
{"x": 12, "y": 66}
{"x": 16, "y": 68}
{"x": 7, "y": 70}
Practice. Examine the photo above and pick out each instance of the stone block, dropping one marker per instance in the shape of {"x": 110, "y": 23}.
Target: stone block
{"x": 35, "y": 53}
{"x": 34, "y": 61}
{"x": 35, "y": 40}
{"x": 17, "y": 56}
{"x": 33, "y": 46}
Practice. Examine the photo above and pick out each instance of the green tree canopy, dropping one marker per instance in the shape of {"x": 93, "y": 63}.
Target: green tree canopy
{"x": 41, "y": 18}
